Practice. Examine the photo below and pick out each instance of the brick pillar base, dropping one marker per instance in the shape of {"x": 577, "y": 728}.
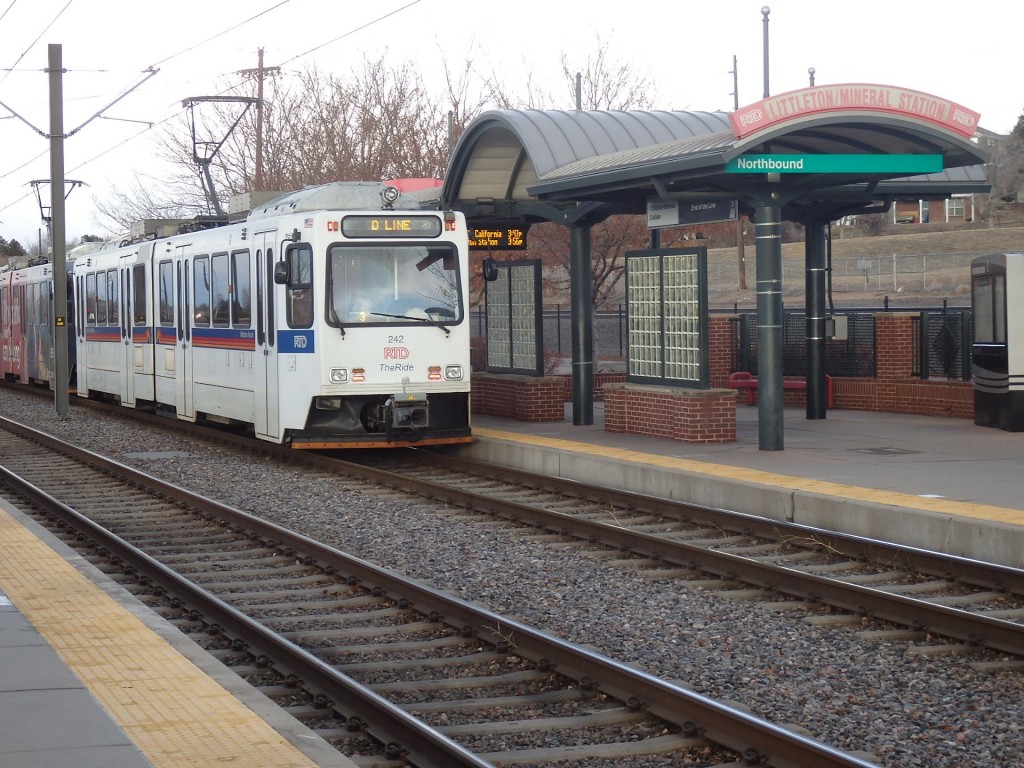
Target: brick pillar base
{"x": 686, "y": 415}
{"x": 523, "y": 398}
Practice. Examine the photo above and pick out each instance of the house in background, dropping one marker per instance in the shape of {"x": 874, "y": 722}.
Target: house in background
{"x": 958, "y": 209}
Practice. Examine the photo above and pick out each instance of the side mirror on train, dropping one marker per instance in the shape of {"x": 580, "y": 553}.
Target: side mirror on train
{"x": 490, "y": 270}
{"x": 281, "y": 272}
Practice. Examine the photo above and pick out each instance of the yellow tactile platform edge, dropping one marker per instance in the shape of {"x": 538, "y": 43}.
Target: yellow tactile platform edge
{"x": 175, "y": 714}
{"x": 730, "y": 472}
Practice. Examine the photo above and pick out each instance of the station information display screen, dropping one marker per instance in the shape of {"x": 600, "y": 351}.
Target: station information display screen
{"x": 510, "y": 238}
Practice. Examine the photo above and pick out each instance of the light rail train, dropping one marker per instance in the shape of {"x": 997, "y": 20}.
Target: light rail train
{"x": 332, "y": 317}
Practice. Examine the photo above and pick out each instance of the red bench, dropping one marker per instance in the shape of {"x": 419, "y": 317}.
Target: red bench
{"x": 743, "y": 380}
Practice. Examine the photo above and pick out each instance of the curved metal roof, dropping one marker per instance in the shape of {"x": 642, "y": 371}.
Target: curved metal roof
{"x": 555, "y": 164}
{"x": 505, "y": 151}
{"x": 696, "y": 165}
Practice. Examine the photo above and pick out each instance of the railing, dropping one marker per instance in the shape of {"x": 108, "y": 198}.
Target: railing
{"x": 941, "y": 340}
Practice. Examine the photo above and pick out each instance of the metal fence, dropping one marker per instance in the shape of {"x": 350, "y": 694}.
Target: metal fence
{"x": 946, "y": 274}
{"x": 852, "y": 356}
{"x": 941, "y": 341}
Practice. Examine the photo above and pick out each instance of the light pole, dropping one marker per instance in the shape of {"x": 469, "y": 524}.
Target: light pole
{"x": 810, "y": 74}
{"x": 765, "y": 10}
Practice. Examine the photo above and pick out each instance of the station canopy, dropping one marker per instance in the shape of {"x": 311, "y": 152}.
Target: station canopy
{"x": 534, "y": 165}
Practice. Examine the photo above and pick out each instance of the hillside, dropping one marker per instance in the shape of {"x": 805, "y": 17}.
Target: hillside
{"x": 910, "y": 269}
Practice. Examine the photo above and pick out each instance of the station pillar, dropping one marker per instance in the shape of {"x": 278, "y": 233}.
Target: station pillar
{"x": 814, "y": 266}
{"x": 768, "y": 249}
{"x": 582, "y": 306}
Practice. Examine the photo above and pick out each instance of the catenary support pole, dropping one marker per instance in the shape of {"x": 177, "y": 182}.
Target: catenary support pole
{"x": 57, "y": 240}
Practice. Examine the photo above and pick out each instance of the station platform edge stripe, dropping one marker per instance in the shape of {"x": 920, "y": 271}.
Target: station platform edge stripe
{"x": 730, "y": 472}
{"x": 174, "y": 713}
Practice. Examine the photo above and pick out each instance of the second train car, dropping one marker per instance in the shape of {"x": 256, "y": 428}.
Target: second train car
{"x": 332, "y": 317}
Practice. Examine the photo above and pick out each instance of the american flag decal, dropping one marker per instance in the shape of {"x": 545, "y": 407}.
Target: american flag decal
{"x": 308, "y": 224}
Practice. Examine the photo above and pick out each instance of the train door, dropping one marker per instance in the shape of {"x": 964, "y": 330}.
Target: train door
{"x": 268, "y": 424}
{"x": 121, "y": 303}
{"x": 18, "y": 322}
{"x": 188, "y": 305}
{"x": 5, "y": 323}
{"x": 141, "y": 327}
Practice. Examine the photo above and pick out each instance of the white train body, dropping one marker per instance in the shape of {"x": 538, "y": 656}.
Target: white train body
{"x": 323, "y": 320}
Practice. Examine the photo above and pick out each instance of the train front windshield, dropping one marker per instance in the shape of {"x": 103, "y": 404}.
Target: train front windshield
{"x": 393, "y": 284}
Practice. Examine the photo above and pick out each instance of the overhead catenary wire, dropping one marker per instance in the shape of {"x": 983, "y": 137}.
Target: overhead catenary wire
{"x": 182, "y": 52}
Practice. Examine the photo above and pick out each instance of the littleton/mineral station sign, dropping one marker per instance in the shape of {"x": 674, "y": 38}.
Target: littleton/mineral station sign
{"x": 855, "y": 98}
{"x": 902, "y": 164}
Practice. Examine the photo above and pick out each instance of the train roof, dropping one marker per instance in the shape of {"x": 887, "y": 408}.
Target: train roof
{"x": 337, "y": 196}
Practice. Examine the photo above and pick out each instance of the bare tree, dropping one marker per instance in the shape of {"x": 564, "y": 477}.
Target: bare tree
{"x": 607, "y": 83}
{"x": 378, "y": 123}
{"x": 1006, "y": 172}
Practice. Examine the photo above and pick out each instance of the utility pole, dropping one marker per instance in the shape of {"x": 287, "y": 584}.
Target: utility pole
{"x": 61, "y": 373}
{"x": 765, "y": 10}
{"x": 260, "y": 73}
{"x": 741, "y": 257}
{"x": 56, "y": 136}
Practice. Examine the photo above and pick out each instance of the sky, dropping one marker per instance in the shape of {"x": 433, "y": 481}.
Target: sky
{"x": 684, "y": 48}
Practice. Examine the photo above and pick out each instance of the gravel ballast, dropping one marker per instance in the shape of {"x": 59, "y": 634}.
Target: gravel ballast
{"x": 904, "y": 707}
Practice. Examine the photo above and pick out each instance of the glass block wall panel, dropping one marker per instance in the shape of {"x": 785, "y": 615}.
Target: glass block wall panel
{"x": 682, "y": 308}
{"x": 667, "y": 328}
{"x": 515, "y": 319}
{"x": 643, "y": 291}
{"x": 499, "y": 330}
{"x": 523, "y": 311}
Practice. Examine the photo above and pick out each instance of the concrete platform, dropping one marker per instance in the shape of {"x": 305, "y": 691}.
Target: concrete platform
{"x": 935, "y": 483}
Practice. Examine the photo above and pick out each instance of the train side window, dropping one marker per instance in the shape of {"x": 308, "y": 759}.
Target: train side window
{"x": 221, "y": 291}
{"x": 90, "y": 298}
{"x": 270, "y": 297}
{"x": 201, "y": 291}
{"x": 165, "y": 291}
{"x": 101, "y": 299}
{"x": 300, "y": 286}
{"x": 113, "y": 300}
{"x": 261, "y": 326}
{"x": 183, "y": 296}
{"x": 241, "y": 290}
{"x": 139, "y": 305}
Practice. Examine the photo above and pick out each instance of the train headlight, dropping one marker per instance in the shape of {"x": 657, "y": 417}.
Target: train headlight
{"x": 453, "y": 372}
{"x": 389, "y": 196}
{"x": 339, "y": 375}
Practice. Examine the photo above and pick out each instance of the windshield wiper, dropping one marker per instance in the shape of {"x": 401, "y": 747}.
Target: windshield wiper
{"x": 447, "y": 331}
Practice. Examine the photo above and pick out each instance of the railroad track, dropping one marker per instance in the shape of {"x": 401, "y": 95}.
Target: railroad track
{"x": 365, "y": 655}
{"x": 979, "y": 604}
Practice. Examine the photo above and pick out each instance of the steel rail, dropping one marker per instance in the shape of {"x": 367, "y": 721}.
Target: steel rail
{"x": 386, "y": 722}
{"x": 979, "y": 573}
{"x": 759, "y": 741}
{"x": 973, "y": 628}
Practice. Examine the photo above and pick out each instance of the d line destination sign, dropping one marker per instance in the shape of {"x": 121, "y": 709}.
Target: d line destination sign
{"x": 902, "y": 164}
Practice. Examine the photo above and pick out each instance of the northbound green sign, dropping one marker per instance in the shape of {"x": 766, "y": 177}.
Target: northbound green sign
{"x": 903, "y": 164}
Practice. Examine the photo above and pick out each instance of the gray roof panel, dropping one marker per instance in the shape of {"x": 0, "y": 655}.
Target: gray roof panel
{"x": 556, "y": 138}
